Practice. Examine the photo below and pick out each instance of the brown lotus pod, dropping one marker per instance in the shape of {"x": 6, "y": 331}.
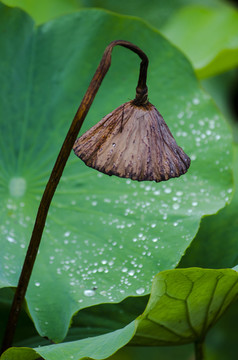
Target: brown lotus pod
{"x": 133, "y": 142}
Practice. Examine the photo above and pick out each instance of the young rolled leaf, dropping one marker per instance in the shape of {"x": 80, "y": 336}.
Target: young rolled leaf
{"x": 133, "y": 142}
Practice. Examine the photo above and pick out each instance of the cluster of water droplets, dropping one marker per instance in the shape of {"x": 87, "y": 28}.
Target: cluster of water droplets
{"x": 14, "y": 228}
{"x": 127, "y": 231}
{"x": 203, "y": 131}
{"x": 138, "y": 220}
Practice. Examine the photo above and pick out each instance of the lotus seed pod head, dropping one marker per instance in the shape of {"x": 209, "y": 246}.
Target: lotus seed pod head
{"x": 133, "y": 142}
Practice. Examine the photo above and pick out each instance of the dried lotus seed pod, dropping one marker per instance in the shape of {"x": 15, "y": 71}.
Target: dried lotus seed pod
{"x": 133, "y": 142}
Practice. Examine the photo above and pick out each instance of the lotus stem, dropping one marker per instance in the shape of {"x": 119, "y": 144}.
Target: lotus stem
{"x": 199, "y": 350}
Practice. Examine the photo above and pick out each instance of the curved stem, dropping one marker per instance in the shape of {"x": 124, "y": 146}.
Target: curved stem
{"x": 57, "y": 172}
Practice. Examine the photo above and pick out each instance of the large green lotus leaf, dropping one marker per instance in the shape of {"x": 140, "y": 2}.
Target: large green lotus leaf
{"x": 221, "y": 340}
{"x": 156, "y": 12}
{"x": 216, "y": 243}
{"x": 99, "y": 347}
{"x": 105, "y": 237}
{"x": 220, "y": 343}
{"x": 183, "y": 305}
{"x": 209, "y": 37}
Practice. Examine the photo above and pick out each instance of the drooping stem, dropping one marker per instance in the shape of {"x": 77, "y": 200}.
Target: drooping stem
{"x": 199, "y": 350}
{"x": 141, "y": 93}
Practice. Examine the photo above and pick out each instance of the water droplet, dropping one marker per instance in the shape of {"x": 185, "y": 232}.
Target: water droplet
{"x": 167, "y": 190}
{"x": 17, "y": 186}
{"x": 131, "y": 272}
{"x": 140, "y": 291}
{"x": 11, "y": 239}
{"x": 196, "y": 101}
{"x": 37, "y": 283}
{"x": 194, "y": 203}
{"x": 176, "y": 206}
{"x": 89, "y": 292}
{"x": 107, "y": 200}
{"x": 180, "y": 115}
{"x": 103, "y": 293}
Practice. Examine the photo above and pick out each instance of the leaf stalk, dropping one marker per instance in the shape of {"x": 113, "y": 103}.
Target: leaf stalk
{"x": 199, "y": 350}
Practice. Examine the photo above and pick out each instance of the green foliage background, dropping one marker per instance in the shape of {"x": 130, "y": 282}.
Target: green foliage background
{"x": 42, "y": 61}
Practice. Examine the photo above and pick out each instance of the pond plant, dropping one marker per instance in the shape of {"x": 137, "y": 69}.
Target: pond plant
{"x": 106, "y": 240}
{"x": 162, "y": 160}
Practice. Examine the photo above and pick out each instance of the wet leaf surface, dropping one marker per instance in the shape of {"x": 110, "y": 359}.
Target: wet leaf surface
{"x": 105, "y": 237}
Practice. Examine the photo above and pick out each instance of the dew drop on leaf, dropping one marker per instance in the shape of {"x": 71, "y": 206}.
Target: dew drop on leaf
{"x": 17, "y": 186}
{"x": 89, "y": 292}
{"x": 131, "y": 272}
{"x": 140, "y": 291}
{"x": 11, "y": 239}
{"x": 196, "y": 101}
